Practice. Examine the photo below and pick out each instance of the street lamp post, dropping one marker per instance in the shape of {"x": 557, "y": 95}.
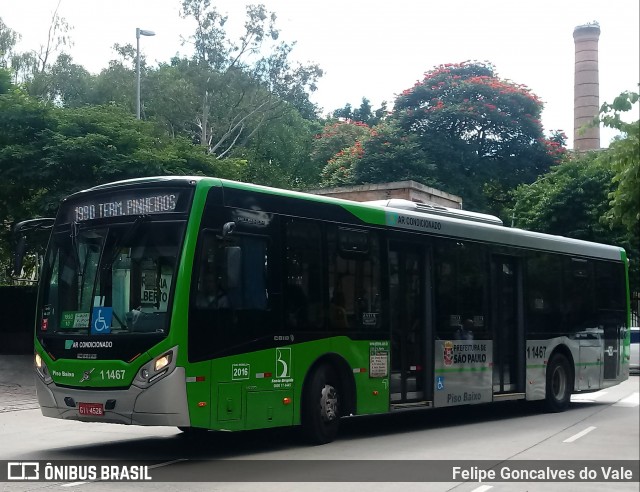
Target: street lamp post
{"x": 139, "y": 32}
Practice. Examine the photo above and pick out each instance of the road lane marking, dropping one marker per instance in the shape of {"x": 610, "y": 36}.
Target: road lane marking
{"x": 483, "y": 488}
{"x": 73, "y": 484}
{"x": 580, "y": 434}
{"x": 629, "y": 401}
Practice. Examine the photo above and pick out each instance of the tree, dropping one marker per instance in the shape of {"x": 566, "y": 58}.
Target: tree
{"x": 40, "y": 82}
{"x": 69, "y": 84}
{"x": 336, "y": 136}
{"x": 479, "y": 130}
{"x": 623, "y": 156}
{"x": 8, "y": 40}
{"x": 241, "y": 84}
{"x": 48, "y": 152}
{"x": 363, "y": 114}
{"x": 5, "y": 80}
{"x": 391, "y": 155}
{"x": 384, "y": 154}
{"x": 279, "y": 153}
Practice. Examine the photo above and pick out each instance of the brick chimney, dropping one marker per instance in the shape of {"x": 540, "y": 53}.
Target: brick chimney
{"x": 586, "y": 91}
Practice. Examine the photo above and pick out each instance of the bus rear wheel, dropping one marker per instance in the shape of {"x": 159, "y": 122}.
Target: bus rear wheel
{"x": 559, "y": 383}
{"x": 321, "y": 406}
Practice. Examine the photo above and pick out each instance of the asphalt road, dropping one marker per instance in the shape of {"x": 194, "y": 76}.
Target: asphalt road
{"x": 599, "y": 426}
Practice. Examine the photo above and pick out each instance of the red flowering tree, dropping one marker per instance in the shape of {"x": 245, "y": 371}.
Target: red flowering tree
{"x": 385, "y": 154}
{"x": 483, "y": 133}
{"x": 334, "y": 138}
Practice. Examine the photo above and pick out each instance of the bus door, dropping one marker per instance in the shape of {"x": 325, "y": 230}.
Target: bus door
{"x": 508, "y": 332}
{"x": 408, "y": 308}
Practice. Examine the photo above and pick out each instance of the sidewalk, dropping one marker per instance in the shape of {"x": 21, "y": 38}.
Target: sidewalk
{"x": 17, "y": 383}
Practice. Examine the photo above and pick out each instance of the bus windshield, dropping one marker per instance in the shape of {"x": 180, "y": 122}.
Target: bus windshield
{"x": 113, "y": 279}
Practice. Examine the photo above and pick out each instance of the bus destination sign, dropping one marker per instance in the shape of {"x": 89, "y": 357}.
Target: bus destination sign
{"x": 133, "y": 203}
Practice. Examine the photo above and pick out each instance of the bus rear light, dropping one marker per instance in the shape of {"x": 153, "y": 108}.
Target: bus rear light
{"x": 202, "y": 404}
{"x": 286, "y": 400}
{"x": 375, "y": 393}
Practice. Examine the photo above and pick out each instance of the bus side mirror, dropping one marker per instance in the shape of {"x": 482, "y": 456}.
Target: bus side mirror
{"x": 233, "y": 260}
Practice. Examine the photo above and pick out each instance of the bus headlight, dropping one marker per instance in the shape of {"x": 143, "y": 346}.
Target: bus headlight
{"x": 156, "y": 369}
{"x": 162, "y": 362}
{"x": 42, "y": 369}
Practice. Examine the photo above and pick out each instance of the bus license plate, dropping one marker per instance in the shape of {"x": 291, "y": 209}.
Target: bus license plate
{"x": 91, "y": 409}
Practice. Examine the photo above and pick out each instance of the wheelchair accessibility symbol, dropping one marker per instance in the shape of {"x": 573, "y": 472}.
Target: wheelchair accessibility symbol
{"x": 101, "y": 320}
{"x": 440, "y": 383}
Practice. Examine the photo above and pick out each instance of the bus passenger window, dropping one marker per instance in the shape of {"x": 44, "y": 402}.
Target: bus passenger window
{"x": 304, "y": 276}
{"x": 354, "y": 280}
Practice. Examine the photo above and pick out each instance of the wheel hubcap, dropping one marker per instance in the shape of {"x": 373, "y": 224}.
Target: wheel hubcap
{"x": 559, "y": 383}
{"x": 329, "y": 403}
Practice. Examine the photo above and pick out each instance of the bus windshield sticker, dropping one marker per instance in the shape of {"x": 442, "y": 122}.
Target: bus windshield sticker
{"x": 101, "y": 320}
{"x": 74, "y": 319}
{"x": 378, "y": 359}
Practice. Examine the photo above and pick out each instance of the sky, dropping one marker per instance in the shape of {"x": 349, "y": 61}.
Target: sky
{"x": 376, "y": 49}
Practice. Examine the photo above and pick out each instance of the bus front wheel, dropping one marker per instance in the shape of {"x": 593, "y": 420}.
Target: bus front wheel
{"x": 559, "y": 383}
{"x": 321, "y": 406}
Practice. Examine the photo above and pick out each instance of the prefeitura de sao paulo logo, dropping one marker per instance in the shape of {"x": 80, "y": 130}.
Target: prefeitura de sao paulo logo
{"x": 447, "y": 354}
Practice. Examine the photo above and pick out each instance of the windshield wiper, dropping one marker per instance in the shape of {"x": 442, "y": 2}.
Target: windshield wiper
{"x": 75, "y": 227}
{"x": 124, "y": 238}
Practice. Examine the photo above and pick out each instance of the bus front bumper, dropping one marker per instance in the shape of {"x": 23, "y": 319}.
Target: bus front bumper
{"x": 162, "y": 403}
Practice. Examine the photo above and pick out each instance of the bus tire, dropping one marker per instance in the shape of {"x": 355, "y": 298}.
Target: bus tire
{"x": 321, "y": 406}
{"x": 559, "y": 383}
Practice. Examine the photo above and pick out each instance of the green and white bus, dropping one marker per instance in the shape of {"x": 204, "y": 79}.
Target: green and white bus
{"x": 204, "y": 304}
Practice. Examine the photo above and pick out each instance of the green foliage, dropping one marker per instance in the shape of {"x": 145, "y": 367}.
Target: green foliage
{"x": 336, "y": 136}
{"x": 568, "y": 201}
{"x": 48, "y": 152}
{"x": 279, "y": 153}
{"x": 241, "y": 84}
{"x": 479, "y": 130}
{"x": 623, "y": 156}
{"x": 363, "y": 114}
{"x": 5, "y": 80}
{"x": 384, "y": 154}
{"x": 391, "y": 155}
{"x": 8, "y": 41}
